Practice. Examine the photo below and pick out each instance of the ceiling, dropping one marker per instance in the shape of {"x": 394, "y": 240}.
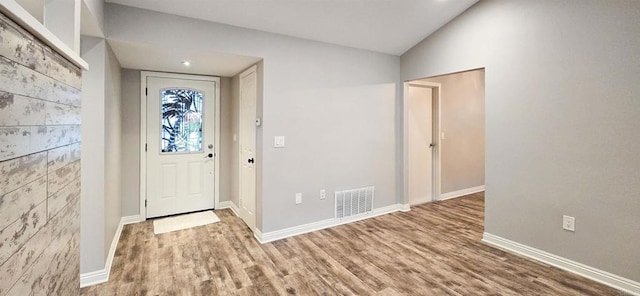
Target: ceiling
{"x": 147, "y": 57}
{"x": 387, "y": 26}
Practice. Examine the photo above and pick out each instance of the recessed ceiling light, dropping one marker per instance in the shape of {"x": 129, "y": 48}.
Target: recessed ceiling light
{"x": 186, "y": 63}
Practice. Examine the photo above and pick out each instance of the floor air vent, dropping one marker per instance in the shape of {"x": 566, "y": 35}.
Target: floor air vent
{"x": 354, "y": 201}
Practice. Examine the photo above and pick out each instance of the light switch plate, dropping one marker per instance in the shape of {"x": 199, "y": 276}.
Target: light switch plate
{"x": 278, "y": 141}
{"x": 568, "y": 223}
{"x": 298, "y": 198}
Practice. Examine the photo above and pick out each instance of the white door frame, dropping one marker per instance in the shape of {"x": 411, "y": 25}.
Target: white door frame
{"x": 436, "y": 150}
{"x": 143, "y": 133}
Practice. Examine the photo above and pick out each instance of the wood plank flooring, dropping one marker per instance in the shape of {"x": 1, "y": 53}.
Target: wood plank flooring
{"x": 434, "y": 249}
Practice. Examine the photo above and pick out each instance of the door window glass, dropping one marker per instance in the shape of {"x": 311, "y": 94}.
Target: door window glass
{"x": 181, "y": 120}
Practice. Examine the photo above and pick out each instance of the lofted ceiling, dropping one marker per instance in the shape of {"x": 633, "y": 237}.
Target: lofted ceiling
{"x": 387, "y": 26}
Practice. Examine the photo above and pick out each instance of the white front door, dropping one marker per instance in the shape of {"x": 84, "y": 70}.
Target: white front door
{"x": 180, "y": 154}
{"x": 420, "y": 134}
{"x": 247, "y": 125}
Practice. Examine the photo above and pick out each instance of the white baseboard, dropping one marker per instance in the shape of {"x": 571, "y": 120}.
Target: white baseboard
{"x": 463, "y": 192}
{"x": 102, "y": 275}
{"x": 421, "y": 200}
{"x": 227, "y": 204}
{"x": 93, "y": 278}
{"x": 609, "y": 279}
{"x": 131, "y": 219}
{"x": 405, "y": 207}
{"x": 257, "y": 234}
{"x": 314, "y": 226}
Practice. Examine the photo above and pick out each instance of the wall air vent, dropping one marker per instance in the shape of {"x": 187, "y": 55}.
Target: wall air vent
{"x": 354, "y": 201}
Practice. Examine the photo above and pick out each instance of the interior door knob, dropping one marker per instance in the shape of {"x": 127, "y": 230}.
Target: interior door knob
{"x": 210, "y": 155}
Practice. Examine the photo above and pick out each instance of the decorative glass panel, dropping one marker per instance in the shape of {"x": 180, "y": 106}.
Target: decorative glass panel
{"x": 181, "y": 120}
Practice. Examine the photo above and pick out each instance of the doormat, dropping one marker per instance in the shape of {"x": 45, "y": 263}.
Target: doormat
{"x": 184, "y": 221}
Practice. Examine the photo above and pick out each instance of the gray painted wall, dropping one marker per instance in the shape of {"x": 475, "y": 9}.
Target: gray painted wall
{"x": 462, "y": 121}
{"x": 130, "y": 142}
{"x": 235, "y": 149}
{"x": 226, "y": 139}
{"x": 113, "y": 135}
{"x": 92, "y": 244}
{"x": 39, "y": 167}
{"x": 336, "y": 106}
{"x": 101, "y": 131}
{"x": 562, "y": 122}
{"x": 96, "y": 7}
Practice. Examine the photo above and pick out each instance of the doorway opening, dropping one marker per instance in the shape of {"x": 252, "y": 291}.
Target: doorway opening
{"x": 444, "y": 137}
{"x": 422, "y": 142}
{"x": 180, "y": 143}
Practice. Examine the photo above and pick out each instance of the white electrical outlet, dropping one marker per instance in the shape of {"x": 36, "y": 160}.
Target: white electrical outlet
{"x": 322, "y": 194}
{"x": 298, "y": 198}
{"x": 568, "y": 223}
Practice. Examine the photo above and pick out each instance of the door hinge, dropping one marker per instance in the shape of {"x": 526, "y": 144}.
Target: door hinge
{"x": 146, "y": 91}
{"x": 145, "y": 147}
{"x": 145, "y": 203}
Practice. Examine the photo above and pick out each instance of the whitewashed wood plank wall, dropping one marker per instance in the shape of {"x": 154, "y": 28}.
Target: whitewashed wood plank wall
{"x": 39, "y": 167}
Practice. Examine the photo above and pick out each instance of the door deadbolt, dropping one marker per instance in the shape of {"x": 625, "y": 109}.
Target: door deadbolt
{"x": 210, "y": 146}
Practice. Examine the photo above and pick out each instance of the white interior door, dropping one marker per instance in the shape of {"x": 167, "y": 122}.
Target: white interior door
{"x": 420, "y": 134}
{"x": 180, "y": 129}
{"x": 247, "y": 145}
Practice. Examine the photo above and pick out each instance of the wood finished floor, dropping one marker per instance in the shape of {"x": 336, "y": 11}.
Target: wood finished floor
{"x": 434, "y": 249}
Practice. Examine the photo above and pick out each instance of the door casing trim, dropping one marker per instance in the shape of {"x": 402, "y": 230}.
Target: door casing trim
{"x": 143, "y": 133}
